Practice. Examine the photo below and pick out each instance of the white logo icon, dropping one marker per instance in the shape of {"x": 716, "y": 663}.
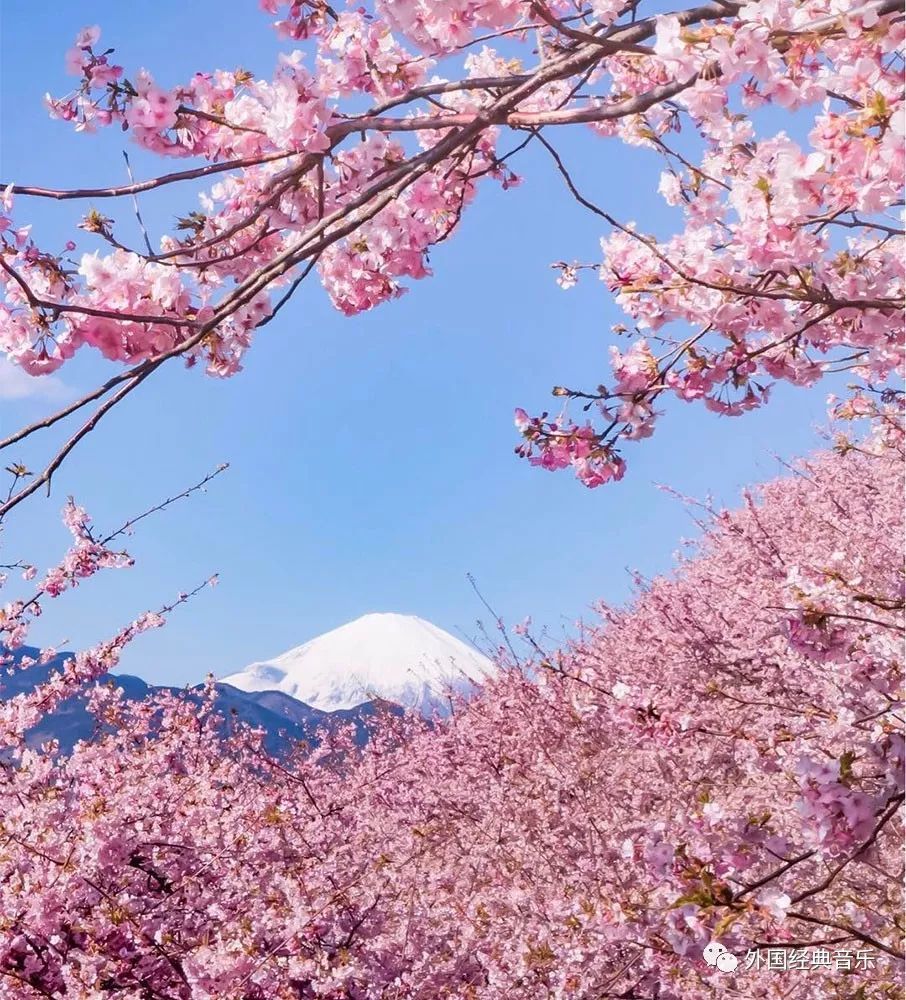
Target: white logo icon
{"x": 717, "y": 956}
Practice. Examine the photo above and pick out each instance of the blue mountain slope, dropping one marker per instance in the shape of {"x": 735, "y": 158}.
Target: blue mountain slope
{"x": 283, "y": 719}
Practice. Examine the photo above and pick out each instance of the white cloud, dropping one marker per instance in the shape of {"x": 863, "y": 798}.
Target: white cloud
{"x": 18, "y": 384}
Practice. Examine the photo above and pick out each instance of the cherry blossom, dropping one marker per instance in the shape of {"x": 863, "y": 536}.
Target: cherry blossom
{"x": 585, "y": 819}
{"x": 367, "y": 145}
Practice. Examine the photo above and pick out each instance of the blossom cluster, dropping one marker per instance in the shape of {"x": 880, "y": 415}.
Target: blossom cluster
{"x": 363, "y": 150}
{"x": 86, "y": 556}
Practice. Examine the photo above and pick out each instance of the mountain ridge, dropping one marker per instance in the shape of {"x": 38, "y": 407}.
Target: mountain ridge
{"x": 392, "y": 663}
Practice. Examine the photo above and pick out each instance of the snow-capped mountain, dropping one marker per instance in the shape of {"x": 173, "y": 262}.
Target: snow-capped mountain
{"x": 397, "y": 658}
{"x": 333, "y": 679}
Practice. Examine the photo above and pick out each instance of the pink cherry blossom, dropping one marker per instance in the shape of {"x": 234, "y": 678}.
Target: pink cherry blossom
{"x": 584, "y": 819}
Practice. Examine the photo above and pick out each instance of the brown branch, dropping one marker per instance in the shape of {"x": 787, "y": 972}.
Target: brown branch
{"x": 776, "y": 873}
{"x": 852, "y": 931}
{"x": 86, "y": 428}
{"x": 515, "y": 119}
{"x": 541, "y": 9}
{"x": 149, "y": 185}
{"x": 124, "y": 528}
{"x": 450, "y": 87}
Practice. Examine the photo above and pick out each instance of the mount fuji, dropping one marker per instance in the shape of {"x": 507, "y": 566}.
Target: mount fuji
{"x": 388, "y": 657}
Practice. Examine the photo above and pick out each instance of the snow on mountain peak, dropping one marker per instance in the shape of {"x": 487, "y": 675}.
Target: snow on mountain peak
{"x": 399, "y": 658}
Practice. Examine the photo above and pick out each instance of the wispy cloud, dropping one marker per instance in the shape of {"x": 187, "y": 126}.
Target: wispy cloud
{"x": 18, "y": 384}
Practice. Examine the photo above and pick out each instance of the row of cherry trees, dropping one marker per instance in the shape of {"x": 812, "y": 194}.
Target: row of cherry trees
{"x": 723, "y": 759}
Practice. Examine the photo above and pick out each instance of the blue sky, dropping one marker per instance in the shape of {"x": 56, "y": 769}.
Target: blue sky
{"x": 372, "y": 460}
